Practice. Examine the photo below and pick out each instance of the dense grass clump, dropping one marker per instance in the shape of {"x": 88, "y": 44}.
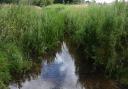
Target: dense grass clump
{"x": 26, "y": 33}
{"x": 100, "y": 31}
{"x": 102, "y": 35}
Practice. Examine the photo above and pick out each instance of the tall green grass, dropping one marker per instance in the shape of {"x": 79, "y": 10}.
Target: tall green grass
{"x": 101, "y": 31}
{"x": 27, "y": 32}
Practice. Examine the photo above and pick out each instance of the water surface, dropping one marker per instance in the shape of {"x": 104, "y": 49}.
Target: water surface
{"x": 64, "y": 72}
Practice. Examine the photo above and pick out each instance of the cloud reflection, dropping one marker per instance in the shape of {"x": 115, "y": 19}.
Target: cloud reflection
{"x": 60, "y": 74}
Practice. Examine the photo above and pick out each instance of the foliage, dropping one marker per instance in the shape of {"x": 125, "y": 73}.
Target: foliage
{"x": 42, "y": 2}
{"x": 2, "y": 86}
{"x": 9, "y": 1}
{"x": 67, "y": 1}
{"x": 28, "y": 32}
{"x": 101, "y": 32}
{"x": 29, "y": 2}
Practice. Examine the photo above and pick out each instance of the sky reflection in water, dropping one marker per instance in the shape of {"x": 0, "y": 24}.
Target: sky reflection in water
{"x": 60, "y": 74}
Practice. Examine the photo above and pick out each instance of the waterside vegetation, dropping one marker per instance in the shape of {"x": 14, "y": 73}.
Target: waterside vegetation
{"x": 99, "y": 31}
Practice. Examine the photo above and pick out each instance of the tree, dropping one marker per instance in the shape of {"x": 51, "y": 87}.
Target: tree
{"x": 37, "y": 2}
{"x": 94, "y": 1}
{"x": 67, "y": 1}
{"x": 9, "y": 1}
{"x": 42, "y": 2}
{"x": 58, "y": 1}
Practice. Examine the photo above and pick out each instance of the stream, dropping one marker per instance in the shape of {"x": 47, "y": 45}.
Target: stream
{"x": 64, "y": 72}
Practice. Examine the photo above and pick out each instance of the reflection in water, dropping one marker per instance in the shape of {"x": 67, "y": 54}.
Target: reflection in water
{"x": 61, "y": 74}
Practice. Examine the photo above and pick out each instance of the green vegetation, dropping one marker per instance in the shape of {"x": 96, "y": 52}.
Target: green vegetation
{"x": 28, "y": 32}
{"x": 101, "y": 34}
{"x": 9, "y": 1}
{"x": 31, "y": 2}
{"x": 39, "y": 2}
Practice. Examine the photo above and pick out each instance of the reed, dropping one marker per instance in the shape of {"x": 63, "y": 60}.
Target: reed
{"x": 28, "y": 32}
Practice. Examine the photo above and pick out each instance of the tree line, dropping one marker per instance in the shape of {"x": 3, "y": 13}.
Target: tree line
{"x": 39, "y": 2}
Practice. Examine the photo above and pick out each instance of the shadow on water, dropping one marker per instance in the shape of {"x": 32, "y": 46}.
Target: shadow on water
{"x": 68, "y": 70}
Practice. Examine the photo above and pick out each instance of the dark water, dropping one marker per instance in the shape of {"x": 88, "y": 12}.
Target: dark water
{"x": 65, "y": 71}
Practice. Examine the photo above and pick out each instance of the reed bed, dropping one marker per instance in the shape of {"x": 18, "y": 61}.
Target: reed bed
{"x": 26, "y": 33}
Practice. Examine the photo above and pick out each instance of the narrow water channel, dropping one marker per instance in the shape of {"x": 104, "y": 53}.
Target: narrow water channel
{"x": 61, "y": 73}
